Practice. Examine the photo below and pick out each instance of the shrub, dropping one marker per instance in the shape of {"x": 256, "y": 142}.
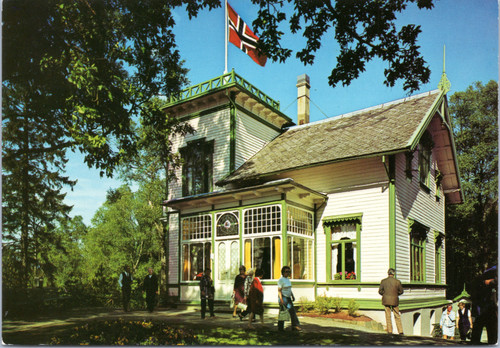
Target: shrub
{"x": 120, "y": 332}
{"x": 323, "y": 304}
{"x": 352, "y": 307}
{"x": 337, "y": 304}
{"x": 306, "y": 305}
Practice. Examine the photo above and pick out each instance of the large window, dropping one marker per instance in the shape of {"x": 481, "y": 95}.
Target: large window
{"x": 262, "y": 244}
{"x": 197, "y": 167}
{"x": 196, "y": 245}
{"x": 300, "y": 249}
{"x": 424, "y": 159}
{"x": 343, "y": 234}
{"x": 418, "y": 237}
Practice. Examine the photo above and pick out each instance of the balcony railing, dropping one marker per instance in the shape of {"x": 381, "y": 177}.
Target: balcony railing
{"x": 224, "y": 81}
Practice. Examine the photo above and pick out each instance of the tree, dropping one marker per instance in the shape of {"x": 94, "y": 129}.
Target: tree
{"x": 472, "y": 240}
{"x": 364, "y": 30}
{"x": 152, "y": 168}
{"x": 77, "y": 75}
{"x": 120, "y": 235}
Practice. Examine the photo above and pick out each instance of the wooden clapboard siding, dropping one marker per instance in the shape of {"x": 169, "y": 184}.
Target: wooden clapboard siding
{"x": 251, "y": 136}
{"x": 416, "y": 203}
{"x": 352, "y": 187}
{"x": 213, "y": 126}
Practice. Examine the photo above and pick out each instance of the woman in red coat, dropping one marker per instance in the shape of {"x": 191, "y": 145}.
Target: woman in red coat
{"x": 256, "y": 299}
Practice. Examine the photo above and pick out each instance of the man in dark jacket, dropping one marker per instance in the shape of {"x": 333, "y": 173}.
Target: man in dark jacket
{"x": 150, "y": 285}
{"x": 390, "y": 289}
{"x": 485, "y": 306}
{"x": 125, "y": 282}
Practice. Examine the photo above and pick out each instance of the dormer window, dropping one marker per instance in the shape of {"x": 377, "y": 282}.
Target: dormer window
{"x": 197, "y": 167}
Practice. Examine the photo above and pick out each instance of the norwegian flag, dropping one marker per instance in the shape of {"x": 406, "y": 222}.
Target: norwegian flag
{"x": 243, "y": 37}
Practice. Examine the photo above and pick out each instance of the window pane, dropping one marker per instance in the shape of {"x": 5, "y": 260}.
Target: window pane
{"x": 344, "y": 231}
{"x": 248, "y": 254}
{"x": 262, "y": 220}
{"x": 196, "y": 258}
{"x": 235, "y": 259}
{"x": 276, "y": 257}
{"x": 262, "y": 256}
{"x": 186, "y": 266}
{"x": 223, "y": 271}
{"x": 197, "y": 227}
{"x": 300, "y": 257}
{"x": 208, "y": 250}
{"x": 299, "y": 221}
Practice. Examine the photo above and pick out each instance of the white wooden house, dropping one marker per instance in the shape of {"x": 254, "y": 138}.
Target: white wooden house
{"x": 340, "y": 200}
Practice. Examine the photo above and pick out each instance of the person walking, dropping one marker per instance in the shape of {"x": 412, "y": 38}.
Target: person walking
{"x": 150, "y": 285}
{"x": 207, "y": 292}
{"x": 239, "y": 289}
{"x": 464, "y": 322}
{"x": 390, "y": 289}
{"x": 447, "y": 322}
{"x": 248, "y": 284}
{"x": 125, "y": 282}
{"x": 256, "y": 298}
{"x": 286, "y": 298}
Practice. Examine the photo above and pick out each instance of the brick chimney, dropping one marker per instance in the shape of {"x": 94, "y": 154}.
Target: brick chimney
{"x": 303, "y": 87}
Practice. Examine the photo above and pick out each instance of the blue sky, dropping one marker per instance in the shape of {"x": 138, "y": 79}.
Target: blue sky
{"x": 469, "y": 29}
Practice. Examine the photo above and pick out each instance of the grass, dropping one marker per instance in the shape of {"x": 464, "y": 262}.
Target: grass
{"x": 152, "y": 333}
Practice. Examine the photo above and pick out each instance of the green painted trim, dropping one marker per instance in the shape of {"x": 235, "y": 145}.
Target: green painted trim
{"x": 284, "y": 237}
{"x": 342, "y": 218}
{"x": 424, "y": 124}
{"x": 392, "y": 211}
{"x": 232, "y": 138}
{"x": 330, "y": 221}
{"x": 219, "y": 83}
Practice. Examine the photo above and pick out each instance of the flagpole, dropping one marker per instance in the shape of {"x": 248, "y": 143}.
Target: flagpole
{"x": 225, "y": 35}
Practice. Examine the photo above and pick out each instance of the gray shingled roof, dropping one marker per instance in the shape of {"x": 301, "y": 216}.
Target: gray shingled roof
{"x": 386, "y": 128}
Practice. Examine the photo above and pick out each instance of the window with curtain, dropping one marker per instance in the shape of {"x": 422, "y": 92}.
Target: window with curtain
{"x": 342, "y": 236}
{"x": 196, "y": 232}
{"x": 300, "y": 241}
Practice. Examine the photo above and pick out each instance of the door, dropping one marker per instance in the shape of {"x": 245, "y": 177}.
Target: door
{"x": 227, "y": 259}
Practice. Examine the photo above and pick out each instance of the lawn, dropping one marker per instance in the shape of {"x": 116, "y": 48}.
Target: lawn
{"x": 151, "y": 333}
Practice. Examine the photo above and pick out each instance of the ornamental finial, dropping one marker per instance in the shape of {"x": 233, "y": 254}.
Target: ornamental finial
{"x": 444, "y": 84}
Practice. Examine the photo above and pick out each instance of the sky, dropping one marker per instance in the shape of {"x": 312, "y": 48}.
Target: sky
{"x": 468, "y": 28}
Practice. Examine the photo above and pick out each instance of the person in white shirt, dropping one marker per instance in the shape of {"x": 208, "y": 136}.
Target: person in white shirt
{"x": 286, "y": 298}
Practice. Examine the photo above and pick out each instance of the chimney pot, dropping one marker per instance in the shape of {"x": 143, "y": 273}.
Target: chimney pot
{"x": 303, "y": 86}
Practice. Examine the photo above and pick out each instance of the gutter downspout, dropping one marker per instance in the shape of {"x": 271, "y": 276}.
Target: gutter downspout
{"x": 391, "y": 174}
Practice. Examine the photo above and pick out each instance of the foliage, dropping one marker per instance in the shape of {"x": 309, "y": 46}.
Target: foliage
{"x": 348, "y": 276}
{"x": 473, "y": 239}
{"x": 352, "y": 307}
{"x": 120, "y": 332}
{"x": 337, "y": 304}
{"x": 364, "y": 30}
{"x": 305, "y": 305}
{"x": 121, "y": 235}
{"x": 323, "y": 304}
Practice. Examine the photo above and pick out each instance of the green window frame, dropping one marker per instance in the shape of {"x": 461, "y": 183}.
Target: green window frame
{"x": 196, "y": 246}
{"x": 438, "y": 257}
{"x": 343, "y": 251}
{"x": 424, "y": 159}
{"x": 418, "y": 239}
{"x": 197, "y": 168}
